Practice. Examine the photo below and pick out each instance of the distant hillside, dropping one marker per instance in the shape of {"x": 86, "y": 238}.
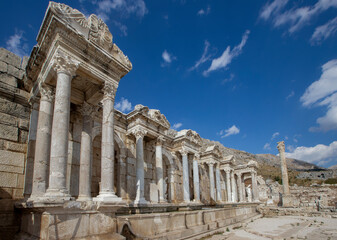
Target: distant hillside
{"x": 333, "y": 167}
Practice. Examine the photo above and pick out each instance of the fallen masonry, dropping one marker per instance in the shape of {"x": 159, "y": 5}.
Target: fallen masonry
{"x": 73, "y": 167}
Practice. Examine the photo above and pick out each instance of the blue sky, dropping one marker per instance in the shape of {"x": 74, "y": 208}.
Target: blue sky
{"x": 244, "y": 73}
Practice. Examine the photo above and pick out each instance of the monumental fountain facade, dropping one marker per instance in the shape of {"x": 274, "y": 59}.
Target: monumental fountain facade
{"x": 91, "y": 170}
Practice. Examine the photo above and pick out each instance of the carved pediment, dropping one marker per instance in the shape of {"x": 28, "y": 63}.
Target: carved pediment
{"x": 214, "y": 149}
{"x": 191, "y": 135}
{"x": 92, "y": 28}
{"x": 154, "y": 115}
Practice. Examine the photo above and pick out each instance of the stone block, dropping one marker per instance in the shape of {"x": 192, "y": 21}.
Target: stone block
{"x": 6, "y": 193}
{"x": 8, "y": 132}
{"x": 8, "y": 180}
{"x": 21, "y": 181}
{"x": 12, "y": 158}
{"x": 16, "y": 147}
{"x": 9, "y": 80}
{"x": 10, "y": 58}
{"x": 24, "y": 124}
{"x": 14, "y": 109}
{"x": 15, "y": 72}
{"x": 3, "y": 67}
{"x": 11, "y": 169}
{"x": 101, "y": 223}
{"x": 18, "y": 193}
{"x": 8, "y": 119}
{"x": 24, "y": 62}
{"x": 23, "y": 136}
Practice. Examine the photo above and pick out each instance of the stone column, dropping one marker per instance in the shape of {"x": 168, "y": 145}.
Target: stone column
{"x": 29, "y": 168}
{"x": 211, "y": 180}
{"x": 43, "y": 139}
{"x": 107, "y": 193}
{"x": 254, "y": 187}
{"x": 218, "y": 184}
{"x": 186, "y": 185}
{"x": 196, "y": 178}
{"x": 233, "y": 187}
{"x": 239, "y": 183}
{"x": 122, "y": 174}
{"x": 87, "y": 111}
{"x": 285, "y": 181}
{"x": 228, "y": 187}
{"x": 65, "y": 68}
{"x": 159, "y": 168}
{"x": 140, "y": 134}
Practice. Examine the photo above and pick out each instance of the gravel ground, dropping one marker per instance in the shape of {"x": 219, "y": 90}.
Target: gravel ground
{"x": 284, "y": 227}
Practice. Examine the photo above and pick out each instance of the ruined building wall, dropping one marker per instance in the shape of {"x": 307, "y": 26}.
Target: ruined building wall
{"x": 14, "y": 125}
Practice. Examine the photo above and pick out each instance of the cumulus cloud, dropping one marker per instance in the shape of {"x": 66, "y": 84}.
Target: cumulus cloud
{"x": 323, "y": 92}
{"x": 204, "y": 58}
{"x": 318, "y": 154}
{"x": 123, "y": 105}
{"x": 267, "y": 146}
{"x": 275, "y": 135}
{"x": 233, "y": 130}
{"x": 125, "y": 7}
{"x": 295, "y": 17}
{"x": 202, "y": 11}
{"x": 16, "y": 44}
{"x": 228, "y": 55}
{"x": 167, "y": 57}
{"x": 323, "y": 32}
{"x": 176, "y": 126}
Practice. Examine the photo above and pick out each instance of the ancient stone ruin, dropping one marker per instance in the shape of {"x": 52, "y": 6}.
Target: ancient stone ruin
{"x": 75, "y": 167}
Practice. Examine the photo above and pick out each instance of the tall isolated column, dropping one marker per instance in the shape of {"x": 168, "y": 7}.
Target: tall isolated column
{"x": 107, "y": 193}
{"x": 228, "y": 186}
{"x": 43, "y": 139}
{"x": 186, "y": 185}
{"x": 196, "y": 178}
{"x": 234, "y": 190}
{"x": 65, "y": 68}
{"x": 285, "y": 181}
{"x": 159, "y": 168}
{"x": 218, "y": 184}
{"x": 211, "y": 180}
{"x": 140, "y": 134}
{"x": 87, "y": 111}
{"x": 29, "y": 168}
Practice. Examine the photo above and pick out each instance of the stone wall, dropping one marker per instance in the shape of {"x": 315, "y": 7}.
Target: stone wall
{"x": 322, "y": 175}
{"x": 14, "y": 125}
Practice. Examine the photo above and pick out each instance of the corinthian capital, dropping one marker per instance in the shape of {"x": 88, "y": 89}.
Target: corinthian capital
{"x": 47, "y": 92}
{"x": 281, "y": 146}
{"x": 160, "y": 140}
{"x": 109, "y": 91}
{"x": 87, "y": 109}
{"x": 139, "y": 132}
{"x": 183, "y": 151}
{"x": 65, "y": 64}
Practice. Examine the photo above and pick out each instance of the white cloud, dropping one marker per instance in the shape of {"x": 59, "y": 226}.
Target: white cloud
{"x": 275, "y": 135}
{"x": 204, "y": 58}
{"x": 123, "y": 105}
{"x": 16, "y": 44}
{"x": 176, "y": 126}
{"x": 228, "y": 55}
{"x": 272, "y": 8}
{"x": 125, "y": 7}
{"x": 323, "y": 92}
{"x": 167, "y": 57}
{"x": 204, "y": 12}
{"x": 323, "y": 32}
{"x": 291, "y": 94}
{"x": 226, "y": 80}
{"x": 233, "y": 130}
{"x": 267, "y": 146}
{"x": 317, "y": 154}
{"x": 295, "y": 17}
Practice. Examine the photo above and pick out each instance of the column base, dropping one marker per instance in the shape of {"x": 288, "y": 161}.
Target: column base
{"x": 55, "y": 196}
{"x": 140, "y": 201}
{"x": 83, "y": 198}
{"x": 108, "y": 197}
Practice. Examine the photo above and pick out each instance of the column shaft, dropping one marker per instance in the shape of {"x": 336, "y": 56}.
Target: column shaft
{"x": 196, "y": 181}
{"x": 239, "y": 183}
{"x": 211, "y": 180}
{"x": 140, "y": 170}
{"x": 254, "y": 187}
{"x": 186, "y": 184}
{"x": 218, "y": 184}
{"x": 159, "y": 171}
{"x": 234, "y": 190}
{"x": 59, "y": 142}
{"x": 43, "y": 141}
{"x": 86, "y": 154}
{"x": 228, "y": 182}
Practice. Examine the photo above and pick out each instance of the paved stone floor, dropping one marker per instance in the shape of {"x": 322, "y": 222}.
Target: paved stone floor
{"x": 284, "y": 227}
